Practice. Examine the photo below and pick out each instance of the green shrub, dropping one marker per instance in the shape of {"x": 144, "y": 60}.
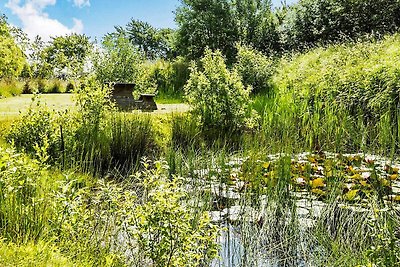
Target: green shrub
{"x": 168, "y": 233}
{"x": 30, "y": 86}
{"x": 171, "y": 77}
{"x": 255, "y": 69}
{"x": 218, "y": 98}
{"x": 37, "y": 128}
{"x": 312, "y": 22}
{"x": 10, "y": 87}
{"x": 33, "y": 255}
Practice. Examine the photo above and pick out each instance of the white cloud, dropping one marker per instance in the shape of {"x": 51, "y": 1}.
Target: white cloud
{"x": 37, "y": 22}
{"x": 81, "y": 3}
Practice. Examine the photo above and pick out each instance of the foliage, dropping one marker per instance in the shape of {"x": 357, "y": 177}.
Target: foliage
{"x": 44, "y": 86}
{"x": 39, "y": 67}
{"x": 10, "y": 87}
{"x": 170, "y": 76}
{"x": 153, "y": 43}
{"x": 12, "y": 59}
{"x": 257, "y": 26}
{"x": 38, "y": 128}
{"x": 205, "y": 23}
{"x": 362, "y": 77}
{"x": 311, "y": 22}
{"x": 221, "y": 24}
{"x": 218, "y": 98}
{"x": 33, "y": 255}
{"x": 67, "y": 55}
{"x": 119, "y": 62}
{"x": 87, "y": 223}
{"x": 255, "y": 69}
{"x": 167, "y": 232}
{"x": 385, "y": 250}
{"x": 25, "y": 208}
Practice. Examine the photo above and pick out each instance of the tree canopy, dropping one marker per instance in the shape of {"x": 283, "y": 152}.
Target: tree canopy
{"x": 12, "y": 59}
{"x": 67, "y": 55}
{"x": 153, "y": 43}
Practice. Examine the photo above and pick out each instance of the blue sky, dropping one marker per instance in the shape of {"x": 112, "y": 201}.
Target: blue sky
{"x": 91, "y": 17}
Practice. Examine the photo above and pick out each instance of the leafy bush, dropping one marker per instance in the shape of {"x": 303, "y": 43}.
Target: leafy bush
{"x": 10, "y": 87}
{"x": 33, "y": 254}
{"x": 171, "y": 77}
{"x": 38, "y": 128}
{"x": 12, "y": 59}
{"x": 217, "y": 95}
{"x": 167, "y": 231}
{"x": 255, "y": 69}
{"x": 119, "y": 61}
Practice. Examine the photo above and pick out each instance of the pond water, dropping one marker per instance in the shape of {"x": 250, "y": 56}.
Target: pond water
{"x": 359, "y": 176}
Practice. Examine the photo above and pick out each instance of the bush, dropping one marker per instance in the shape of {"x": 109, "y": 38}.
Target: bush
{"x": 168, "y": 233}
{"x": 217, "y": 96}
{"x": 10, "y": 87}
{"x": 38, "y": 128}
{"x": 255, "y": 69}
{"x": 171, "y": 77}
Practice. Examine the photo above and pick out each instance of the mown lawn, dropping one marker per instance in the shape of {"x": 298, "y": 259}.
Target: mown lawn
{"x": 12, "y": 106}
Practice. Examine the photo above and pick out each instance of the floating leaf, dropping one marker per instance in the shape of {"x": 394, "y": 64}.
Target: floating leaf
{"x": 319, "y": 182}
{"x": 356, "y": 176}
{"x": 396, "y": 198}
{"x": 318, "y": 192}
{"x": 266, "y": 165}
{"x": 351, "y": 195}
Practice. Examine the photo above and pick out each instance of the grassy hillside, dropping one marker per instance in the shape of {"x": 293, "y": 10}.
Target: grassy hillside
{"x": 362, "y": 76}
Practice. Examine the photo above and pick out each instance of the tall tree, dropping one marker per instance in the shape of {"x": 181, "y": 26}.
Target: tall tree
{"x": 257, "y": 25}
{"x": 68, "y": 54}
{"x": 118, "y": 60}
{"x": 312, "y": 22}
{"x": 153, "y": 43}
{"x": 12, "y": 59}
{"x": 206, "y": 24}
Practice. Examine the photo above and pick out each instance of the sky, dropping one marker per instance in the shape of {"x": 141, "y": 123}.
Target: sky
{"x": 91, "y": 17}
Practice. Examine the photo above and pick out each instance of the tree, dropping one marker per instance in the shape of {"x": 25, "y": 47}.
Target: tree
{"x": 12, "y": 59}
{"x": 313, "y": 22}
{"x": 68, "y": 54}
{"x": 257, "y": 26}
{"x": 118, "y": 60}
{"x": 206, "y": 24}
{"x": 153, "y": 43}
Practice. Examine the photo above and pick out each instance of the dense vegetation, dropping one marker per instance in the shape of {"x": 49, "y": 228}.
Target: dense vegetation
{"x": 287, "y": 157}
